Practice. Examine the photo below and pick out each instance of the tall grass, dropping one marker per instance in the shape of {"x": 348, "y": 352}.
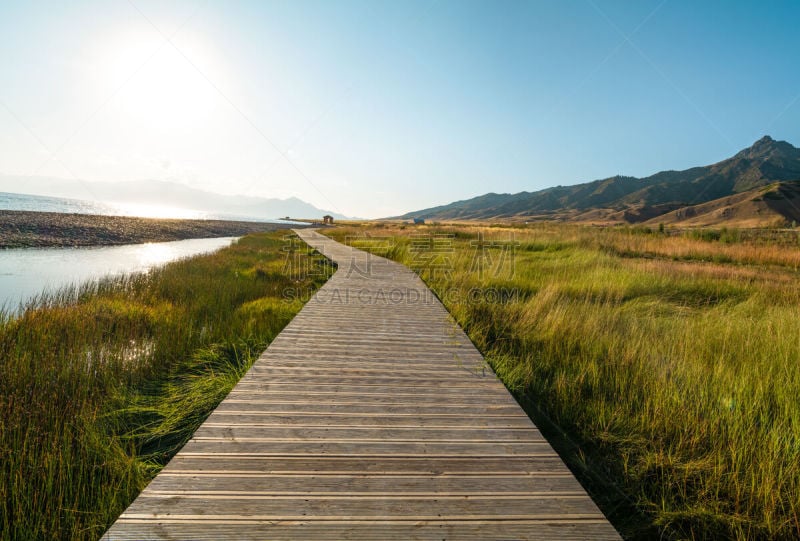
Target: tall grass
{"x": 664, "y": 368}
{"x": 101, "y": 384}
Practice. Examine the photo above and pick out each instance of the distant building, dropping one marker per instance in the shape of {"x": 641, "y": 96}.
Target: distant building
{"x": 419, "y": 221}
{"x": 327, "y": 219}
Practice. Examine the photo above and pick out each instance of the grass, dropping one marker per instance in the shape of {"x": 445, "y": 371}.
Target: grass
{"x": 663, "y": 366}
{"x": 102, "y": 383}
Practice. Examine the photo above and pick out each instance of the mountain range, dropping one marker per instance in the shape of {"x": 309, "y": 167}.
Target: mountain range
{"x": 164, "y": 193}
{"x": 759, "y": 186}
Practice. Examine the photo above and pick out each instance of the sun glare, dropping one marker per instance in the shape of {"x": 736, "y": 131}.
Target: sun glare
{"x": 156, "y": 81}
{"x": 153, "y": 254}
{"x": 156, "y": 211}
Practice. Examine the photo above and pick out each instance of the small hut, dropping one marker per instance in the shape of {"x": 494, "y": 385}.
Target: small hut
{"x": 327, "y": 219}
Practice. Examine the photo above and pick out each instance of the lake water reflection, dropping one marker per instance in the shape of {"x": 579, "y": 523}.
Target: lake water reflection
{"x": 26, "y": 272}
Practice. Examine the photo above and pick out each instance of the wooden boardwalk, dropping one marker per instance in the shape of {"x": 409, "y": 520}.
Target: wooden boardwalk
{"x": 371, "y": 416}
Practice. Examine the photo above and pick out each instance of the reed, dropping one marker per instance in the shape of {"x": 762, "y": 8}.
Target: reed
{"x": 101, "y": 383}
{"x": 663, "y": 366}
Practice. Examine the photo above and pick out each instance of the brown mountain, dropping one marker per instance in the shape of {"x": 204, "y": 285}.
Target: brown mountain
{"x": 768, "y": 164}
{"x": 774, "y": 205}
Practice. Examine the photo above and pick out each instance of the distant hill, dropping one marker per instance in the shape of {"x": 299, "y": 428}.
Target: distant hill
{"x": 768, "y": 164}
{"x": 773, "y": 205}
{"x": 156, "y": 192}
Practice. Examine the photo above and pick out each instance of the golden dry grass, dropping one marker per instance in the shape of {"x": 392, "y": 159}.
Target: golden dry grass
{"x": 101, "y": 384}
{"x": 663, "y": 367}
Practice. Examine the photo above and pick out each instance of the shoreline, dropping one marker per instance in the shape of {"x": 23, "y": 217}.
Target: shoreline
{"x": 31, "y": 229}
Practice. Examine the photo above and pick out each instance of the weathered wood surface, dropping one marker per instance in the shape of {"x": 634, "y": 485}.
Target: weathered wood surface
{"x": 371, "y": 416}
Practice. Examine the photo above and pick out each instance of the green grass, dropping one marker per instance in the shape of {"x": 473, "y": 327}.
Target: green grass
{"x": 663, "y": 368}
{"x": 101, "y": 384}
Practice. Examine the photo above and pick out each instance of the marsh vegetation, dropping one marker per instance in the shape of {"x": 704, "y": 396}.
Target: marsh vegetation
{"x": 663, "y": 366}
{"x": 100, "y": 384}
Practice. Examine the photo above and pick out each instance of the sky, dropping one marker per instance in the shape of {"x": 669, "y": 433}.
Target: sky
{"x": 376, "y": 108}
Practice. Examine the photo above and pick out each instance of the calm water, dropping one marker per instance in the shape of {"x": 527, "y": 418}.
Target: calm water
{"x": 40, "y": 203}
{"x": 18, "y": 201}
{"x": 27, "y": 272}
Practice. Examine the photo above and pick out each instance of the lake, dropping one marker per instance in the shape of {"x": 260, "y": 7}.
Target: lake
{"x": 41, "y": 203}
{"x": 26, "y": 272}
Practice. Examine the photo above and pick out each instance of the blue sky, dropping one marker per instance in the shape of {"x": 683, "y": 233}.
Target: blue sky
{"x": 376, "y": 108}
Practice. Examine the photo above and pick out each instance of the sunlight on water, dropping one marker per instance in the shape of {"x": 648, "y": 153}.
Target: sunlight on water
{"x": 154, "y": 253}
{"x": 15, "y": 201}
{"x": 156, "y": 211}
{"x": 26, "y": 272}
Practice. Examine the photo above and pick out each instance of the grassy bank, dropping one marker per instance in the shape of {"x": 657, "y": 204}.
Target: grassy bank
{"x": 663, "y": 367}
{"x": 101, "y": 384}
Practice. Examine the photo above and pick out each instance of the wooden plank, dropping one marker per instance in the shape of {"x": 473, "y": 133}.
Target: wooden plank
{"x": 388, "y": 409}
{"x": 371, "y": 415}
{"x": 349, "y": 507}
{"x": 308, "y": 485}
{"x": 425, "y": 421}
{"x": 568, "y": 530}
{"x": 361, "y": 465}
{"x": 372, "y": 449}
